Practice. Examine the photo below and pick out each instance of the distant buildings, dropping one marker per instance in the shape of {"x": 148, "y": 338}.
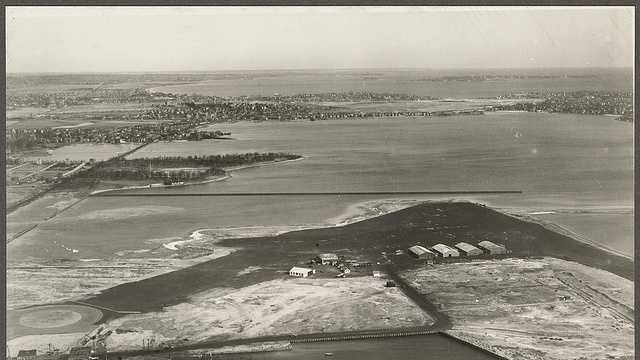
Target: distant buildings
{"x": 445, "y": 251}
{"x": 491, "y": 248}
{"x": 468, "y": 249}
{"x": 420, "y": 252}
{"x": 26, "y": 355}
{"x": 327, "y": 259}
{"x": 298, "y": 272}
{"x": 80, "y": 353}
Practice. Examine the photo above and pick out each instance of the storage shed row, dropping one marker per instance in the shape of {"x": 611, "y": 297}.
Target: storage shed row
{"x": 468, "y": 249}
{"x": 445, "y": 251}
{"x": 491, "y": 248}
{"x": 460, "y": 249}
{"x": 421, "y": 252}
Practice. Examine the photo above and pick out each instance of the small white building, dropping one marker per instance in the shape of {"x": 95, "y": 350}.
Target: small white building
{"x": 328, "y": 259}
{"x": 301, "y": 272}
{"x": 445, "y": 251}
{"x": 377, "y": 274}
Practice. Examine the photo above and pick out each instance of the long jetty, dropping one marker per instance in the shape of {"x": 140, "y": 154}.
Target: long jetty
{"x": 336, "y": 193}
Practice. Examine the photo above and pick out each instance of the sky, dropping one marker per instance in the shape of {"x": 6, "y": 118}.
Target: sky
{"x": 133, "y": 39}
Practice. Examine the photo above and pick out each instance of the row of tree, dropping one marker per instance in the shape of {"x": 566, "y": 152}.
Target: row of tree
{"x": 177, "y": 168}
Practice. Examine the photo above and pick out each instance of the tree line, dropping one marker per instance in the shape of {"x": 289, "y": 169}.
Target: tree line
{"x": 177, "y": 168}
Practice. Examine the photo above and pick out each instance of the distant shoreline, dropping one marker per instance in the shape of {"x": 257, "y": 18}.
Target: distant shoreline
{"x": 562, "y": 230}
{"x": 226, "y": 176}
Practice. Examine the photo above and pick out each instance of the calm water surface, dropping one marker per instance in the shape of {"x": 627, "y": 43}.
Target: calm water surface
{"x": 406, "y": 348}
{"x": 562, "y": 163}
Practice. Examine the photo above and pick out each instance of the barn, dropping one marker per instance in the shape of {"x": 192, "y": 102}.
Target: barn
{"x": 420, "y": 252}
{"x": 491, "y": 248}
{"x": 466, "y": 249}
{"x": 300, "y": 271}
{"x": 445, "y": 251}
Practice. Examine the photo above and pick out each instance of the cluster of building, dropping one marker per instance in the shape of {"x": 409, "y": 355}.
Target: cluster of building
{"x": 218, "y": 111}
{"x": 349, "y": 96}
{"x": 282, "y": 108}
{"x": 461, "y": 249}
{"x": 578, "y": 102}
{"x": 85, "y": 96}
{"x": 327, "y": 259}
{"x": 374, "y": 114}
{"x": 76, "y": 353}
{"x": 20, "y": 139}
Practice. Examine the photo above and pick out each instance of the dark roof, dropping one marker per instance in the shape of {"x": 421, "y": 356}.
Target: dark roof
{"x": 26, "y": 353}
{"x": 85, "y": 350}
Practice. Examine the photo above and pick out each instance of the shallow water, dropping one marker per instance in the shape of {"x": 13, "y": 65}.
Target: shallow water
{"x": 558, "y": 161}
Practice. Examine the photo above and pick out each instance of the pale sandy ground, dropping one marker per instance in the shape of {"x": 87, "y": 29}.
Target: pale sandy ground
{"x": 286, "y": 306}
{"x": 129, "y": 212}
{"x": 29, "y": 283}
{"x": 27, "y": 286}
{"x": 514, "y": 307}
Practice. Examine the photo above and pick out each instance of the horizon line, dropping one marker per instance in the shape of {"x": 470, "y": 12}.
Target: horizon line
{"x": 631, "y": 67}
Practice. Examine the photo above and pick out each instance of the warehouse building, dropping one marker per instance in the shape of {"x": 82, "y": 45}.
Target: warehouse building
{"x": 328, "y": 259}
{"x": 445, "y": 251}
{"x": 420, "y": 252}
{"x": 300, "y": 272}
{"x": 466, "y": 249}
{"x": 491, "y": 248}
{"x": 80, "y": 353}
{"x": 26, "y": 355}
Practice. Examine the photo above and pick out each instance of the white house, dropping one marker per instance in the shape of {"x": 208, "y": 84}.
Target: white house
{"x": 300, "y": 271}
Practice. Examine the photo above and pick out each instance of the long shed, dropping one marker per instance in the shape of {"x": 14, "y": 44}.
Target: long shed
{"x": 491, "y": 248}
{"x": 420, "y": 252}
{"x": 445, "y": 251}
{"x": 468, "y": 249}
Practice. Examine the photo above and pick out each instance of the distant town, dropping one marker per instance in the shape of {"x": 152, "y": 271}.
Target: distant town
{"x": 177, "y": 117}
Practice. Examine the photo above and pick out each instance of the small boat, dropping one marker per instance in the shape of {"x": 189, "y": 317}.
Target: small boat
{"x": 328, "y": 354}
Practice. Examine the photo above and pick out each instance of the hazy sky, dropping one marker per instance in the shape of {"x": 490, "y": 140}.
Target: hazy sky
{"x": 101, "y": 39}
